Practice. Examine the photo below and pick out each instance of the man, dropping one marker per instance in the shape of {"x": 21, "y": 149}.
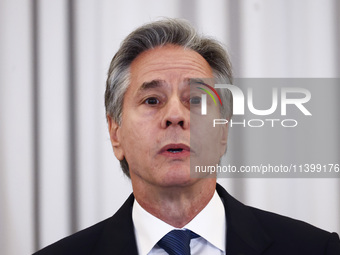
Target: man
{"x": 151, "y": 103}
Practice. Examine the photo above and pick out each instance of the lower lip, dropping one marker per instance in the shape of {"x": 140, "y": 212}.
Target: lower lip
{"x": 181, "y": 154}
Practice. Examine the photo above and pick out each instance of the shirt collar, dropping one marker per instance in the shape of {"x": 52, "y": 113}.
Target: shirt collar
{"x": 210, "y": 224}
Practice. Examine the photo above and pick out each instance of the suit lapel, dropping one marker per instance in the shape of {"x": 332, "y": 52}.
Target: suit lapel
{"x": 245, "y": 234}
{"x": 118, "y": 235}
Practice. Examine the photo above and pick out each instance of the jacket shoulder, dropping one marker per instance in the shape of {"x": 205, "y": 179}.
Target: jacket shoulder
{"x": 255, "y": 231}
{"x": 297, "y": 235}
{"x": 115, "y": 234}
{"x": 82, "y": 242}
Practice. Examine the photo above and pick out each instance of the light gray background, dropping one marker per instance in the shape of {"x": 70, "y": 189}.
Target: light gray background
{"x": 57, "y": 170}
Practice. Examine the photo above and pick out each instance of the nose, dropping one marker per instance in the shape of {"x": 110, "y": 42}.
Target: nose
{"x": 176, "y": 114}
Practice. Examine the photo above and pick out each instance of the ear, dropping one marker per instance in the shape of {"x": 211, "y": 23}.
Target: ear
{"x": 115, "y": 137}
{"x": 224, "y": 138}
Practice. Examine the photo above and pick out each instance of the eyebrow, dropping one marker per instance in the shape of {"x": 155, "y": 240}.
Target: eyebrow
{"x": 195, "y": 81}
{"x": 151, "y": 85}
{"x": 159, "y": 83}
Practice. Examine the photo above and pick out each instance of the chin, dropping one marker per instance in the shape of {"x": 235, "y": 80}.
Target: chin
{"x": 178, "y": 179}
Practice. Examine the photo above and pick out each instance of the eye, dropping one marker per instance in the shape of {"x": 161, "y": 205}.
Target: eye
{"x": 152, "y": 101}
{"x": 195, "y": 100}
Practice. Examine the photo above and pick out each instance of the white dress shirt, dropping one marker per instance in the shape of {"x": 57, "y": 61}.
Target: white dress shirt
{"x": 209, "y": 224}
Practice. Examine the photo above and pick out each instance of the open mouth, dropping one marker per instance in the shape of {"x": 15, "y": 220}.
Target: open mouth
{"x": 177, "y": 150}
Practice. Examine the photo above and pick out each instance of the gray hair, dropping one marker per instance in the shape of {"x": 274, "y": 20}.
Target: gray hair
{"x": 157, "y": 34}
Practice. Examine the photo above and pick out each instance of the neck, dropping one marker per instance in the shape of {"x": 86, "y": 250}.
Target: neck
{"x": 175, "y": 205}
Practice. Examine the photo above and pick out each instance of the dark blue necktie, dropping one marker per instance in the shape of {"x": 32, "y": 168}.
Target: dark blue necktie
{"x": 177, "y": 242}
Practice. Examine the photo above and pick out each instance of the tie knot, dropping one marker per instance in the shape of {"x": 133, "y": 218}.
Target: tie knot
{"x": 177, "y": 242}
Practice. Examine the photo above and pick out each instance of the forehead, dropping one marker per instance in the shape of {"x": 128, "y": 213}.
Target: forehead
{"x": 169, "y": 63}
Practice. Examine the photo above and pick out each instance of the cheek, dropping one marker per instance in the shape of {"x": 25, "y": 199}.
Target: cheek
{"x": 137, "y": 137}
{"x": 207, "y": 138}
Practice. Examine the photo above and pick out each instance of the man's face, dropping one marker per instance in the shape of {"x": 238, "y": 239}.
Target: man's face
{"x": 154, "y": 135}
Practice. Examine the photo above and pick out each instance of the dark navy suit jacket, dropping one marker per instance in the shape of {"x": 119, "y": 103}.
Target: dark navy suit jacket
{"x": 250, "y": 231}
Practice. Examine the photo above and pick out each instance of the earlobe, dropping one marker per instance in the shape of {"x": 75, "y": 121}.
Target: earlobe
{"x": 115, "y": 137}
